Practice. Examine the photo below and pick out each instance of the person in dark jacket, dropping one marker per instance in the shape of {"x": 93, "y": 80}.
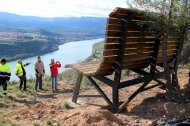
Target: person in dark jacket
{"x": 5, "y": 75}
{"x": 54, "y": 73}
{"x": 40, "y": 71}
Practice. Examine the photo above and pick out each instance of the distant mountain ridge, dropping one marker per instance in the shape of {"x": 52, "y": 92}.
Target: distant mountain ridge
{"x": 14, "y": 21}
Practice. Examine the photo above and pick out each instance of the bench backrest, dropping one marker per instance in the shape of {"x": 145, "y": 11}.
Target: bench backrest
{"x": 139, "y": 46}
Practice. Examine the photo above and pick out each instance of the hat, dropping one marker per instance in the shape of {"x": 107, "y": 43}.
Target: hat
{"x": 3, "y": 61}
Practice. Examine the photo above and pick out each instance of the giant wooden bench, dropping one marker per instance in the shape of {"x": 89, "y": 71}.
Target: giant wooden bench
{"x": 127, "y": 46}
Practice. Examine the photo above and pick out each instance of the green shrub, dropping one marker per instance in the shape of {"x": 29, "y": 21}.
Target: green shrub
{"x": 49, "y": 122}
{"x": 21, "y": 95}
{"x": 65, "y": 105}
{"x": 36, "y": 124}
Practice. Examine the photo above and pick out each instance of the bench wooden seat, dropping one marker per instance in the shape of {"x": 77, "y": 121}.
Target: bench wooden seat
{"x": 129, "y": 46}
{"x": 91, "y": 68}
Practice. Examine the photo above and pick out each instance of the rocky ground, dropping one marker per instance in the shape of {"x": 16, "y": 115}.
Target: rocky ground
{"x": 149, "y": 108}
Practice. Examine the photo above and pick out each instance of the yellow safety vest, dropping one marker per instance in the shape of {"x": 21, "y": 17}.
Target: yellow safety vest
{"x": 18, "y": 70}
{"x": 5, "y": 70}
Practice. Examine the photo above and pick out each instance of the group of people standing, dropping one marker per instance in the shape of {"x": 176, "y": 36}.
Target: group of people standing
{"x": 20, "y": 71}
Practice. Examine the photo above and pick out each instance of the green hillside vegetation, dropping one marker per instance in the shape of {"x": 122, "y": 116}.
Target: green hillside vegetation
{"x": 24, "y": 49}
{"x": 97, "y": 52}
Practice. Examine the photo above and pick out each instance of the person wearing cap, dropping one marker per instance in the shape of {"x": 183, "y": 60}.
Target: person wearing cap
{"x": 5, "y": 75}
{"x": 21, "y": 73}
{"x": 40, "y": 71}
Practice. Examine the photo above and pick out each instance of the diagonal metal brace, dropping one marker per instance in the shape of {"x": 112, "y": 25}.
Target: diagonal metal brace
{"x": 100, "y": 91}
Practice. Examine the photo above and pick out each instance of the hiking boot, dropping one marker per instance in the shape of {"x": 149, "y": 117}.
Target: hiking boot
{"x": 41, "y": 89}
{"x": 24, "y": 90}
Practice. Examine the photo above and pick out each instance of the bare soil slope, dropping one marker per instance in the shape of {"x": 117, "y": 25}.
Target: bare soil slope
{"x": 148, "y": 109}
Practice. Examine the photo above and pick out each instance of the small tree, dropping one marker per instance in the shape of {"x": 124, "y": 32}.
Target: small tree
{"x": 168, "y": 14}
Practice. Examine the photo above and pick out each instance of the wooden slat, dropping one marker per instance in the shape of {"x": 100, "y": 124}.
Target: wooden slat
{"x": 112, "y": 39}
{"x": 173, "y": 39}
{"x": 118, "y": 15}
{"x": 138, "y": 34}
{"x": 122, "y": 16}
{"x": 168, "y": 54}
{"x": 130, "y": 39}
{"x": 169, "y": 47}
{"x": 111, "y": 46}
{"x": 117, "y": 25}
{"x": 120, "y": 10}
{"x": 140, "y": 39}
{"x": 125, "y": 11}
{"x": 106, "y": 65}
{"x": 93, "y": 68}
{"x": 113, "y": 33}
{"x": 113, "y": 27}
{"x": 139, "y": 45}
{"x": 140, "y": 65}
{"x": 141, "y": 50}
{"x": 109, "y": 52}
{"x": 159, "y": 60}
{"x": 169, "y": 51}
{"x": 137, "y": 55}
{"x": 109, "y": 59}
{"x": 83, "y": 67}
{"x": 114, "y": 21}
{"x": 136, "y": 63}
{"x": 147, "y": 58}
{"x": 170, "y": 43}
{"x": 117, "y": 33}
{"x": 126, "y": 57}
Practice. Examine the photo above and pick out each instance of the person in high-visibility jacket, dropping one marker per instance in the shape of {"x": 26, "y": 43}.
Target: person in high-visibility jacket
{"x": 5, "y": 75}
{"x": 21, "y": 73}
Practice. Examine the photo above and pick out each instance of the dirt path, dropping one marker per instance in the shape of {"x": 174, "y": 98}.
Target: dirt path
{"x": 147, "y": 109}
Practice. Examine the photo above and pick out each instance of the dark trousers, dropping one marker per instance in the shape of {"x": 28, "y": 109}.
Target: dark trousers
{"x": 4, "y": 85}
{"x": 38, "y": 82}
{"x": 22, "y": 81}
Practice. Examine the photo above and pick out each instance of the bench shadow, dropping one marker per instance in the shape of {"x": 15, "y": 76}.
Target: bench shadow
{"x": 2, "y": 105}
{"x": 53, "y": 94}
{"x": 158, "y": 107}
{"x": 23, "y": 101}
{"x": 64, "y": 91}
{"x": 49, "y": 95}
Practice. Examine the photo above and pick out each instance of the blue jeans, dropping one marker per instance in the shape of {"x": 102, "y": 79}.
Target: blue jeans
{"x": 54, "y": 82}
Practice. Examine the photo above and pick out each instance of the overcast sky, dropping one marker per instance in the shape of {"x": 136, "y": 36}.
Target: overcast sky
{"x": 61, "y": 8}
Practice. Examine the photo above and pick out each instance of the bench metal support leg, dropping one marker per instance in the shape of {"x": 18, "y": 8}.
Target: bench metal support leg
{"x": 115, "y": 97}
{"x": 175, "y": 80}
{"x": 100, "y": 91}
{"x": 121, "y": 107}
{"x": 189, "y": 77}
{"x": 77, "y": 87}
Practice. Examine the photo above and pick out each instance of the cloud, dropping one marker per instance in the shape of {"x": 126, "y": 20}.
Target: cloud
{"x": 61, "y": 8}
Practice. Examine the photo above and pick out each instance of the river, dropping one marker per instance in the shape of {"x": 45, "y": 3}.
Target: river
{"x": 68, "y": 53}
